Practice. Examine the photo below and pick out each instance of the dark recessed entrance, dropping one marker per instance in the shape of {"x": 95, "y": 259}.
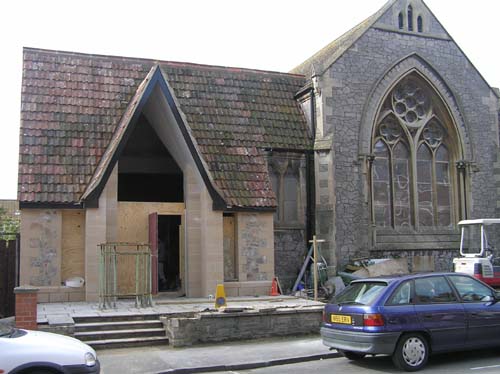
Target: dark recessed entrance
{"x": 169, "y": 232}
{"x": 147, "y": 172}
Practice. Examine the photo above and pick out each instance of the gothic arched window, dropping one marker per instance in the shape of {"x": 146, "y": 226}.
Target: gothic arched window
{"x": 401, "y": 20}
{"x": 285, "y": 175}
{"x": 413, "y": 149}
{"x": 410, "y": 18}
{"x": 420, "y": 24}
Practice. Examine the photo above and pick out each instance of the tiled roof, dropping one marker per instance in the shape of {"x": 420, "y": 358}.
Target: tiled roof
{"x": 233, "y": 114}
{"x": 73, "y": 103}
{"x": 322, "y": 60}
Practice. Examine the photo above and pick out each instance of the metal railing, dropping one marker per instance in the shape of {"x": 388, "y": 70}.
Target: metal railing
{"x": 117, "y": 262}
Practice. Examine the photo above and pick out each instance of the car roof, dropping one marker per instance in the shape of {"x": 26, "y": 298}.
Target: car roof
{"x": 401, "y": 277}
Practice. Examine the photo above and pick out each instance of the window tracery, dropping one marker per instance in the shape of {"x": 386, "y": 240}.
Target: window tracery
{"x": 411, "y": 174}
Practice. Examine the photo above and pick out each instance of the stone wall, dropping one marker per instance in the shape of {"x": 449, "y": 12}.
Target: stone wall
{"x": 40, "y": 261}
{"x": 255, "y": 246}
{"x": 423, "y": 260}
{"x": 217, "y": 327}
{"x": 290, "y": 250}
{"x": 347, "y": 93}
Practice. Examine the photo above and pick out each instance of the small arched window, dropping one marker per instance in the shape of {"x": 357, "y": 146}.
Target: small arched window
{"x": 285, "y": 176}
{"x": 420, "y": 25}
{"x": 401, "y": 20}
{"x": 410, "y": 18}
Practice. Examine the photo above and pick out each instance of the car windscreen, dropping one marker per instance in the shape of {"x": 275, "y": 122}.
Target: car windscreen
{"x": 360, "y": 293}
{"x": 5, "y": 330}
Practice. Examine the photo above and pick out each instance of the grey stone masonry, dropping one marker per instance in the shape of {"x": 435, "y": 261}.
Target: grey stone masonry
{"x": 353, "y": 89}
{"x": 212, "y": 327}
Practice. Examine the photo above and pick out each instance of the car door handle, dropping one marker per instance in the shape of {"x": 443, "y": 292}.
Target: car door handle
{"x": 428, "y": 316}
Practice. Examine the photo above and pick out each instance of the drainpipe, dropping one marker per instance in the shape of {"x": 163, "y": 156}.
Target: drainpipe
{"x": 310, "y": 177}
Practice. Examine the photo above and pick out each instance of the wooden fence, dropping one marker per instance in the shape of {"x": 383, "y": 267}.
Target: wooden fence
{"x": 9, "y": 275}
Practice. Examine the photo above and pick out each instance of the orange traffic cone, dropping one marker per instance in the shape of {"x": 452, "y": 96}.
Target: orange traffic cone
{"x": 274, "y": 288}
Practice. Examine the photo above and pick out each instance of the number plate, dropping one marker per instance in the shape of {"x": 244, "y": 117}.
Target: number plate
{"x": 338, "y": 318}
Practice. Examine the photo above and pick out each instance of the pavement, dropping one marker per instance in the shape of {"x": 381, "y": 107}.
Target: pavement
{"x": 47, "y": 311}
{"x": 227, "y": 356}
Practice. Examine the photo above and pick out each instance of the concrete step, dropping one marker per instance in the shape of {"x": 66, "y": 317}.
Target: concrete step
{"x": 116, "y": 318}
{"x": 117, "y": 325}
{"x": 128, "y": 342}
{"x": 119, "y": 334}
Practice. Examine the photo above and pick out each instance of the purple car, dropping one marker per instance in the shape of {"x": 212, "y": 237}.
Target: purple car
{"x": 409, "y": 317}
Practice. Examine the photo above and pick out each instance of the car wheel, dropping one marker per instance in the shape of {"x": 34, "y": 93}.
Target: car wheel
{"x": 40, "y": 371}
{"x": 353, "y": 356}
{"x": 412, "y": 352}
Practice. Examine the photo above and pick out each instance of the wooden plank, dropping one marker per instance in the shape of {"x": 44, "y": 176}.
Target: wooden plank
{"x": 3, "y": 279}
{"x": 8, "y": 254}
{"x": 229, "y": 248}
{"x": 153, "y": 242}
{"x": 73, "y": 244}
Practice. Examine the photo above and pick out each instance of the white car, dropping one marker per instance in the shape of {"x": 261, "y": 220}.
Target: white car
{"x": 27, "y": 352}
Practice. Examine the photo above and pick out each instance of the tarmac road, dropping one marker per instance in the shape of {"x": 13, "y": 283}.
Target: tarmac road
{"x": 287, "y": 355}
{"x": 477, "y": 362}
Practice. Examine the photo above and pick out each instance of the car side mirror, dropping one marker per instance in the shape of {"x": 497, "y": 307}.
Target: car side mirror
{"x": 496, "y": 296}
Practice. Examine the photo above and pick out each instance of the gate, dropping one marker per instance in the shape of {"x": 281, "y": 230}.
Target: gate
{"x": 9, "y": 275}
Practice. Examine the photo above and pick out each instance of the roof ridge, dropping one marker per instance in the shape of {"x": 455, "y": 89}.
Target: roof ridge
{"x": 336, "y": 44}
{"x": 163, "y": 62}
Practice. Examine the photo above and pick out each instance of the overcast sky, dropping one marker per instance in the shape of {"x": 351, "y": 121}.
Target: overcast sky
{"x": 260, "y": 34}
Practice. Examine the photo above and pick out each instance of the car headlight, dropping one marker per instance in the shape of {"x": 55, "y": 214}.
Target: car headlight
{"x": 89, "y": 359}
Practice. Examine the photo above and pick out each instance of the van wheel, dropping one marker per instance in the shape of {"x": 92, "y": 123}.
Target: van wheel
{"x": 412, "y": 352}
{"x": 353, "y": 356}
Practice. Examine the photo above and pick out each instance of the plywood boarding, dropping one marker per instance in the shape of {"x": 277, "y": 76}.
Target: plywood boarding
{"x": 133, "y": 227}
{"x": 229, "y": 249}
{"x": 73, "y": 244}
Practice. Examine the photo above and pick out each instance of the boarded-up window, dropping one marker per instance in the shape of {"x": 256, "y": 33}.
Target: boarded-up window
{"x": 229, "y": 244}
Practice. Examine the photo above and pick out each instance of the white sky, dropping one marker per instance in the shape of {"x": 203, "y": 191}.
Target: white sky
{"x": 259, "y": 34}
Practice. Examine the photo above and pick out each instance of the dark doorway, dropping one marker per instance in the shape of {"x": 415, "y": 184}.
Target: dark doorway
{"x": 169, "y": 279}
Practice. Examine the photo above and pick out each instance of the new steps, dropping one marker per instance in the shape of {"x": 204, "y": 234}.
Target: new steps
{"x": 120, "y": 331}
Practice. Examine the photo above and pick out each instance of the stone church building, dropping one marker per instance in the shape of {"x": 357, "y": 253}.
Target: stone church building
{"x": 379, "y": 144}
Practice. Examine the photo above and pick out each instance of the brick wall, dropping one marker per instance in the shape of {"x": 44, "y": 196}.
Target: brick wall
{"x": 26, "y": 302}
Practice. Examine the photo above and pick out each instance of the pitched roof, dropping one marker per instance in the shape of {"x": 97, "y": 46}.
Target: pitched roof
{"x": 73, "y": 104}
{"x": 322, "y": 60}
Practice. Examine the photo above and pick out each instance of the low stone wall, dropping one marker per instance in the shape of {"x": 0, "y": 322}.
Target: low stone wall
{"x": 60, "y": 294}
{"x": 248, "y": 288}
{"x": 215, "y": 326}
